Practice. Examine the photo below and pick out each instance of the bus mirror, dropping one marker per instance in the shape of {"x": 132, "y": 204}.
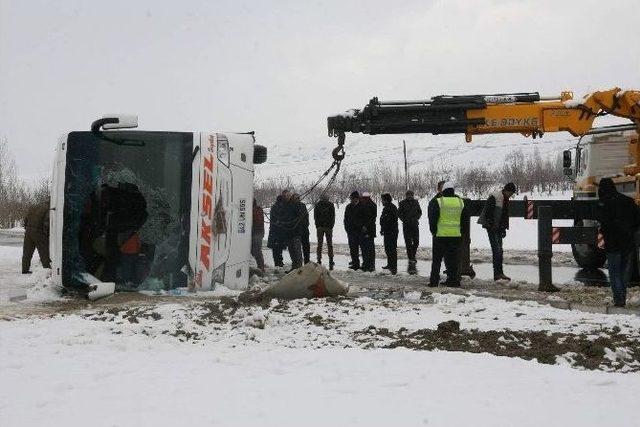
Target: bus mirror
{"x": 566, "y": 159}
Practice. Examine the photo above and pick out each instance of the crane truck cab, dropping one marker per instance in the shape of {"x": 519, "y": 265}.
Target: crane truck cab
{"x": 151, "y": 210}
{"x": 597, "y": 156}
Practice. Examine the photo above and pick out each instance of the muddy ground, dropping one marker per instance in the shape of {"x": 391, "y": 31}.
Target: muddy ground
{"x": 578, "y": 350}
{"x": 606, "y": 349}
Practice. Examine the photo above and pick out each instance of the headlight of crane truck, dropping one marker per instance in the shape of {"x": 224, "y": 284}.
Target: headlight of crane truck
{"x": 134, "y": 210}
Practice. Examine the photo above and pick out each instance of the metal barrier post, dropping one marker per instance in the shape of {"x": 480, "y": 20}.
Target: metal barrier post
{"x": 545, "y": 248}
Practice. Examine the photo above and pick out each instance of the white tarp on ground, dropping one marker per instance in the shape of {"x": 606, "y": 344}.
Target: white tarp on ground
{"x": 309, "y": 281}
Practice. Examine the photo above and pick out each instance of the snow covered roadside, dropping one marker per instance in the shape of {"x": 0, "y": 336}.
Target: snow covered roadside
{"x": 36, "y": 287}
{"x": 132, "y": 383}
{"x": 301, "y": 363}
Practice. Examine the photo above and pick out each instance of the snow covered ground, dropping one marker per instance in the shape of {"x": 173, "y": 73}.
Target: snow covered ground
{"x": 299, "y": 363}
{"x": 348, "y": 361}
{"x": 57, "y": 374}
{"x": 351, "y": 361}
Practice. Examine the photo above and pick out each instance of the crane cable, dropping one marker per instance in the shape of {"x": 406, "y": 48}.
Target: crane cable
{"x": 338, "y": 155}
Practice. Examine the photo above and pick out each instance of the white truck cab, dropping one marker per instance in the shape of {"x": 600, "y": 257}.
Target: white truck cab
{"x": 149, "y": 210}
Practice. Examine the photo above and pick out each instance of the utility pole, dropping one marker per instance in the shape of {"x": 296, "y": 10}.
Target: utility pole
{"x": 406, "y": 173}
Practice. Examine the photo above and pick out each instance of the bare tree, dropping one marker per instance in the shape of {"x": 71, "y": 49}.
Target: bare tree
{"x": 529, "y": 173}
{"x": 16, "y": 197}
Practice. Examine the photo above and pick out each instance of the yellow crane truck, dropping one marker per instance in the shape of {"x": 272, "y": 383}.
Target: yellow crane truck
{"x": 611, "y": 151}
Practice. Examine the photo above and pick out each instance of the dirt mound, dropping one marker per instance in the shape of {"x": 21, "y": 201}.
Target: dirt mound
{"x": 609, "y": 350}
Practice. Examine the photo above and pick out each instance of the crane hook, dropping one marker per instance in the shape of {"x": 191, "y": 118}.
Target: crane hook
{"x": 338, "y": 152}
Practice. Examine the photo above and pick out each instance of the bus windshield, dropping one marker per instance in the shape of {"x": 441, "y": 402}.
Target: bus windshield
{"x": 126, "y": 209}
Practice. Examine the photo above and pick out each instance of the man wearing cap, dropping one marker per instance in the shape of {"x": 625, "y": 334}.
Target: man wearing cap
{"x": 409, "y": 213}
{"x": 446, "y": 220}
{"x": 352, "y": 227}
{"x": 367, "y": 212}
{"x": 495, "y": 219}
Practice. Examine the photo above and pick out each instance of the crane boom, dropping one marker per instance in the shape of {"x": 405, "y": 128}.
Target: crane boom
{"x": 526, "y": 113}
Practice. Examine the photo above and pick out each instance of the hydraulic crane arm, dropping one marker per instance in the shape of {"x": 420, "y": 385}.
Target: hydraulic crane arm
{"x": 526, "y": 113}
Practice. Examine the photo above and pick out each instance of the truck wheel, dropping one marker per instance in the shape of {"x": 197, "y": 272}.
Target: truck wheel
{"x": 588, "y": 256}
{"x": 259, "y": 154}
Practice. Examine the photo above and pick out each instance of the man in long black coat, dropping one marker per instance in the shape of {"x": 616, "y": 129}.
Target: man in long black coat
{"x": 367, "y": 213}
{"x": 276, "y": 240}
{"x": 353, "y": 226}
{"x": 409, "y": 212}
{"x": 389, "y": 230}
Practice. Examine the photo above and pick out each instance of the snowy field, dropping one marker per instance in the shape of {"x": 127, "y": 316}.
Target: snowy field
{"x": 417, "y": 358}
{"x": 306, "y": 160}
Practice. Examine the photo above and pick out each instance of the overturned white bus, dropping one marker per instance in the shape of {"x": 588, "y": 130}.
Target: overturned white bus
{"x": 149, "y": 210}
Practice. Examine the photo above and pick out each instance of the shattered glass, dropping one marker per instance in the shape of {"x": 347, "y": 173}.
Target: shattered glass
{"x": 126, "y": 211}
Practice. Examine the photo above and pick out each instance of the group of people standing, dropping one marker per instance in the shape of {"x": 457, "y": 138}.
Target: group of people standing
{"x": 289, "y": 229}
{"x": 448, "y": 223}
{"x": 360, "y": 225}
{"x": 618, "y": 216}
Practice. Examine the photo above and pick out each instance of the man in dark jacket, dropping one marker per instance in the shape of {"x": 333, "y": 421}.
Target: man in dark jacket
{"x": 36, "y": 236}
{"x": 447, "y": 215}
{"x": 495, "y": 219}
{"x": 352, "y": 227}
{"x": 324, "y": 215}
{"x": 292, "y": 222}
{"x": 303, "y": 228}
{"x": 409, "y": 213}
{"x": 276, "y": 240}
{"x": 619, "y": 220}
{"x": 389, "y": 230}
{"x": 367, "y": 213}
{"x": 257, "y": 234}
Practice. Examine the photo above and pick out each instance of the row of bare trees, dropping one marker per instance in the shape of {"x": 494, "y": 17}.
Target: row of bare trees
{"x": 530, "y": 173}
{"x": 16, "y": 196}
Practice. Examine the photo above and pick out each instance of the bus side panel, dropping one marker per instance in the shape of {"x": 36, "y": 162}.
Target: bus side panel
{"x": 194, "y": 232}
{"x": 56, "y": 214}
{"x": 206, "y": 191}
{"x": 237, "y": 271}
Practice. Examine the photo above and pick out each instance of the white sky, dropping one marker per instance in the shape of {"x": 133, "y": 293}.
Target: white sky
{"x": 280, "y": 67}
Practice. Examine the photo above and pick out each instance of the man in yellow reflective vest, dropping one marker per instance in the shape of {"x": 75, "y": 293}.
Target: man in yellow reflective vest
{"x": 446, "y": 222}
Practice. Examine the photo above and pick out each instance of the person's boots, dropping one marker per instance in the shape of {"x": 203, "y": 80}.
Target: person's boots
{"x": 411, "y": 268}
{"x": 331, "y": 263}
{"x": 469, "y": 272}
{"x": 501, "y": 276}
